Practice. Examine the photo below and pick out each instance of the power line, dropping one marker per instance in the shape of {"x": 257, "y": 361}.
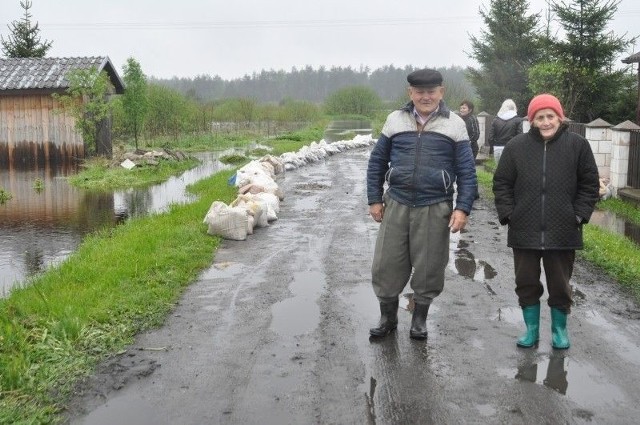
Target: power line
{"x": 255, "y": 24}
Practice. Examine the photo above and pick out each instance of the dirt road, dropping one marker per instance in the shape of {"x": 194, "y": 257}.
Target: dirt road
{"x": 276, "y": 332}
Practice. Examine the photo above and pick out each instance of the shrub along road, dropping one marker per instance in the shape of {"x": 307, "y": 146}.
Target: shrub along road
{"x": 276, "y": 331}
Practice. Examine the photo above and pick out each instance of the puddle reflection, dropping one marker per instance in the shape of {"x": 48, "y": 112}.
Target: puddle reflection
{"x": 345, "y": 129}
{"x": 581, "y": 382}
{"x": 556, "y": 375}
{"x": 303, "y": 306}
{"x": 615, "y": 224}
{"x": 510, "y": 315}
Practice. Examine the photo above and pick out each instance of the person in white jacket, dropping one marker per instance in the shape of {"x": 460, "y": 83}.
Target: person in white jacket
{"x": 505, "y": 126}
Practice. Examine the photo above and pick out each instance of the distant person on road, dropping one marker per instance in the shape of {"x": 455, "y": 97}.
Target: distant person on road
{"x": 473, "y": 128}
{"x": 423, "y": 157}
{"x": 546, "y": 187}
{"x": 505, "y": 126}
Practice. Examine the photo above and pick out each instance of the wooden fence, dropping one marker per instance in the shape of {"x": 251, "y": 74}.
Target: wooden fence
{"x": 633, "y": 176}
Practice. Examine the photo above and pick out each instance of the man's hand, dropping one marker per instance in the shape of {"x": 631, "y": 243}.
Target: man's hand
{"x": 458, "y": 221}
{"x": 376, "y": 211}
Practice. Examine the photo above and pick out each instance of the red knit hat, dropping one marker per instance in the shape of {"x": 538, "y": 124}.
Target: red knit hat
{"x": 544, "y": 101}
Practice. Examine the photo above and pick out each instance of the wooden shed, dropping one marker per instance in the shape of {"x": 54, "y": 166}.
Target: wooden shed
{"x": 33, "y": 127}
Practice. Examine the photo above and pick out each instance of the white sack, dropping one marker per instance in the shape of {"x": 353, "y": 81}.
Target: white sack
{"x": 256, "y": 208}
{"x": 273, "y": 204}
{"x": 227, "y": 222}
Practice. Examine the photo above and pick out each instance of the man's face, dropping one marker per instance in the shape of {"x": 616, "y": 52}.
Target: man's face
{"x": 426, "y": 99}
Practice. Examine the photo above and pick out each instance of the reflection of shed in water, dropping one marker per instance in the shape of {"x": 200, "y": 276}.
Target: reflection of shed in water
{"x": 32, "y": 129}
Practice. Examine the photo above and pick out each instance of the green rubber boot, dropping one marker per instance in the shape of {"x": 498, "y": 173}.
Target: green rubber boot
{"x": 531, "y": 315}
{"x": 559, "y": 334}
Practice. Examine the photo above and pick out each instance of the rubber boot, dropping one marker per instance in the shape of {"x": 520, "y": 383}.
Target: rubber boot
{"x": 559, "y": 334}
{"x": 388, "y": 320}
{"x": 419, "y": 321}
{"x": 531, "y": 315}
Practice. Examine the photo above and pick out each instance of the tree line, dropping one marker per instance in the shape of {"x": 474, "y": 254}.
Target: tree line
{"x": 311, "y": 84}
{"x": 567, "y": 52}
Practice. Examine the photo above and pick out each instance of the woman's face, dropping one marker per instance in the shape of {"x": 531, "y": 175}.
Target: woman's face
{"x": 464, "y": 109}
{"x": 547, "y": 121}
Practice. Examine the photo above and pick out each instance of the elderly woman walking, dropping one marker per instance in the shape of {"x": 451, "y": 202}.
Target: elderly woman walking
{"x": 546, "y": 187}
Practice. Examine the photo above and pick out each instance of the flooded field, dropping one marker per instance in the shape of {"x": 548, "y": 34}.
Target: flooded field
{"x": 46, "y": 218}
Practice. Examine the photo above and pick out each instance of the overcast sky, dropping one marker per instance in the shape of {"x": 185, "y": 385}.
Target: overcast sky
{"x": 232, "y": 38}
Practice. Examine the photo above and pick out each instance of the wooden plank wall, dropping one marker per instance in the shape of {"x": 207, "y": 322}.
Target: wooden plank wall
{"x": 35, "y": 125}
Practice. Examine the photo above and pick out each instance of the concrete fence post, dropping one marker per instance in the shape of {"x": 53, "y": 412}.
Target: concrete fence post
{"x": 598, "y": 133}
{"x": 621, "y": 137}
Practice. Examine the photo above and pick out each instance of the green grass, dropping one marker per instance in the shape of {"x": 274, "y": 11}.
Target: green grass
{"x": 4, "y": 196}
{"x": 98, "y": 174}
{"x": 233, "y": 159}
{"x": 485, "y": 181}
{"x": 623, "y": 209}
{"x": 293, "y": 141}
{"x": 615, "y": 254}
{"x": 203, "y": 142}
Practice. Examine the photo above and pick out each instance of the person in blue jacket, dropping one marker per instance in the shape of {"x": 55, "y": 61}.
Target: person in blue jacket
{"x": 420, "y": 163}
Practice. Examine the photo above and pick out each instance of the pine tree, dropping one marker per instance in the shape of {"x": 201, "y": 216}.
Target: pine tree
{"x": 24, "y": 41}
{"x": 586, "y": 55}
{"x": 505, "y": 51}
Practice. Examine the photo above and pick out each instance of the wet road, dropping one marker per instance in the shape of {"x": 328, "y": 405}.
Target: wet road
{"x": 276, "y": 332}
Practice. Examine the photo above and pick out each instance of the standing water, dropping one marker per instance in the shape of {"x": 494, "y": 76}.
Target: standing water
{"x": 346, "y": 129}
{"x": 46, "y": 218}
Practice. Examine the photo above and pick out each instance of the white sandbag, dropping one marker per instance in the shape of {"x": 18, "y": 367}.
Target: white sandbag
{"x": 268, "y": 167}
{"x": 251, "y": 188}
{"x": 250, "y": 171}
{"x": 250, "y": 225}
{"x": 256, "y": 208}
{"x": 273, "y": 204}
{"x": 278, "y": 165}
{"x": 227, "y": 222}
{"x": 266, "y": 182}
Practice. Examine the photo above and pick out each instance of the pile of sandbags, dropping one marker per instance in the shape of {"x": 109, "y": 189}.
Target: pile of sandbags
{"x": 257, "y": 203}
{"x": 259, "y": 195}
{"x": 317, "y": 151}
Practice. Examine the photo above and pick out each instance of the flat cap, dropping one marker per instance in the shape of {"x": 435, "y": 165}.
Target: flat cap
{"x": 425, "y": 78}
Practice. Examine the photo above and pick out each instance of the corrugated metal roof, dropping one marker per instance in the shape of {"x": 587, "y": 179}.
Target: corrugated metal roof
{"x": 50, "y": 73}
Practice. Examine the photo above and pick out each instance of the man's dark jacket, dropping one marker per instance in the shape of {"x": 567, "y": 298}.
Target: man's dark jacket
{"x": 545, "y": 192}
{"x": 423, "y": 167}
